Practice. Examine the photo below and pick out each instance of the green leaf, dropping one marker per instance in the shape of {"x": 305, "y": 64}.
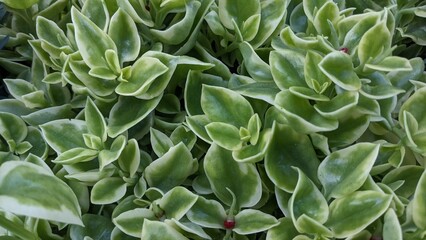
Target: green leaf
{"x": 198, "y": 124}
{"x": 391, "y": 63}
{"x": 95, "y": 121}
{"x": 256, "y": 67}
{"x": 238, "y": 11}
{"x": 375, "y": 42}
{"x": 354, "y": 212}
{"x": 207, "y": 213}
{"x": 193, "y": 89}
{"x": 380, "y": 91}
{"x": 344, "y": 171}
{"x": 223, "y": 173}
{"x": 179, "y": 31}
{"x": 19, "y": 87}
{"x": 313, "y": 72}
{"x": 18, "y": 178}
{"x": 339, "y": 106}
{"x": 49, "y": 32}
{"x": 144, "y": 72}
{"x": 409, "y": 174}
{"x": 121, "y": 117}
{"x": 419, "y": 202}
{"x": 250, "y": 221}
{"x": 224, "y": 135}
{"x": 176, "y": 202}
{"x": 92, "y": 41}
{"x": 338, "y": 67}
{"x": 171, "y": 169}
{"x": 99, "y": 86}
{"x": 183, "y": 134}
{"x": 96, "y": 227}
{"x": 23, "y": 4}
{"x": 413, "y": 106}
{"x": 160, "y": 142}
{"x": 287, "y": 68}
{"x": 131, "y": 221}
{"x": 284, "y": 230}
{"x": 129, "y": 158}
{"x": 324, "y": 18}
{"x": 391, "y": 227}
{"x": 108, "y": 190}
{"x": 53, "y": 133}
{"x": 76, "y": 155}
{"x": 48, "y": 114}
{"x": 307, "y": 200}
{"x": 124, "y": 33}
{"x": 301, "y": 114}
{"x": 280, "y": 157}
{"x": 216, "y": 104}
{"x": 159, "y": 230}
{"x": 12, "y": 128}
{"x": 107, "y": 156}
{"x": 272, "y": 12}
{"x": 310, "y": 7}
{"x": 97, "y": 12}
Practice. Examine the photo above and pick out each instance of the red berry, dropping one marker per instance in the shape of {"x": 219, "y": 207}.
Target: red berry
{"x": 345, "y": 50}
{"x": 229, "y": 224}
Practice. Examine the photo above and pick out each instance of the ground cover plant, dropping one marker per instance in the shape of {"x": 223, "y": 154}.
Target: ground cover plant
{"x": 212, "y": 119}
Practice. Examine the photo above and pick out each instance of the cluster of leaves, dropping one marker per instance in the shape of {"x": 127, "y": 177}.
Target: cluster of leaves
{"x": 213, "y": 119}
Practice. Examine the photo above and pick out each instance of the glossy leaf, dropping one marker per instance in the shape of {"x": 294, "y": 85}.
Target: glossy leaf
{"x": 92, "y": 42}
{"x": 97, "y": 12}
{"x": 339, "y": 106}
{"x": 179, "y": 31}
{"x": 108, "y": 190}
{"x": 143, "y": 74}
{"x": 238, "y": 11}
{"x": 216, "y": 104}
{"x": 48, "y": 114}
{"x": 374, "y": 42}
{"x": 338, "y": 67}
{"x": 176, "y": 202}
{"x": 96, "y": 123}
{"x": 161, "y": 143}
{"x": 207, "y": 213}
{"x": 171, "y": 169}
{"x": 301, "y": 115}
{"x": 419, "y": 204}
{"x": 391, "y": 227}
{"x": 280, "y": 157}
{"x": 160, "y": 230}
{"x": 223, "y": 172}
{"x": 344, "y": 171}
{"x": 96, "y": 227}
{"x": 17, "y": 178}
{"x": 12, "y": 128}
{"x": 352, "y": 213}
{"x": 53, "y": 134}
{"x": 76, "y": 155}
{"x": 256, "y": 67}
{"x": 284, "y": 230}
{"x": 107, "y": 156}
{"x": 251, "y": 221}
{"x": 131, "y": 221}
{"x": 307, "y": 200}
{"x": 122, "y": 118}
{"x": 225, "y": 135}
{"x": 21, "y": 4}
{"x": 287, "y": 68}
{"x": 123, "y": 32}
{"x": 272, "y": 12}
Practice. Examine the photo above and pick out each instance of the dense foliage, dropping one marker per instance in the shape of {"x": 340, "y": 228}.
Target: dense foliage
{"x": 213, "y": 119}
